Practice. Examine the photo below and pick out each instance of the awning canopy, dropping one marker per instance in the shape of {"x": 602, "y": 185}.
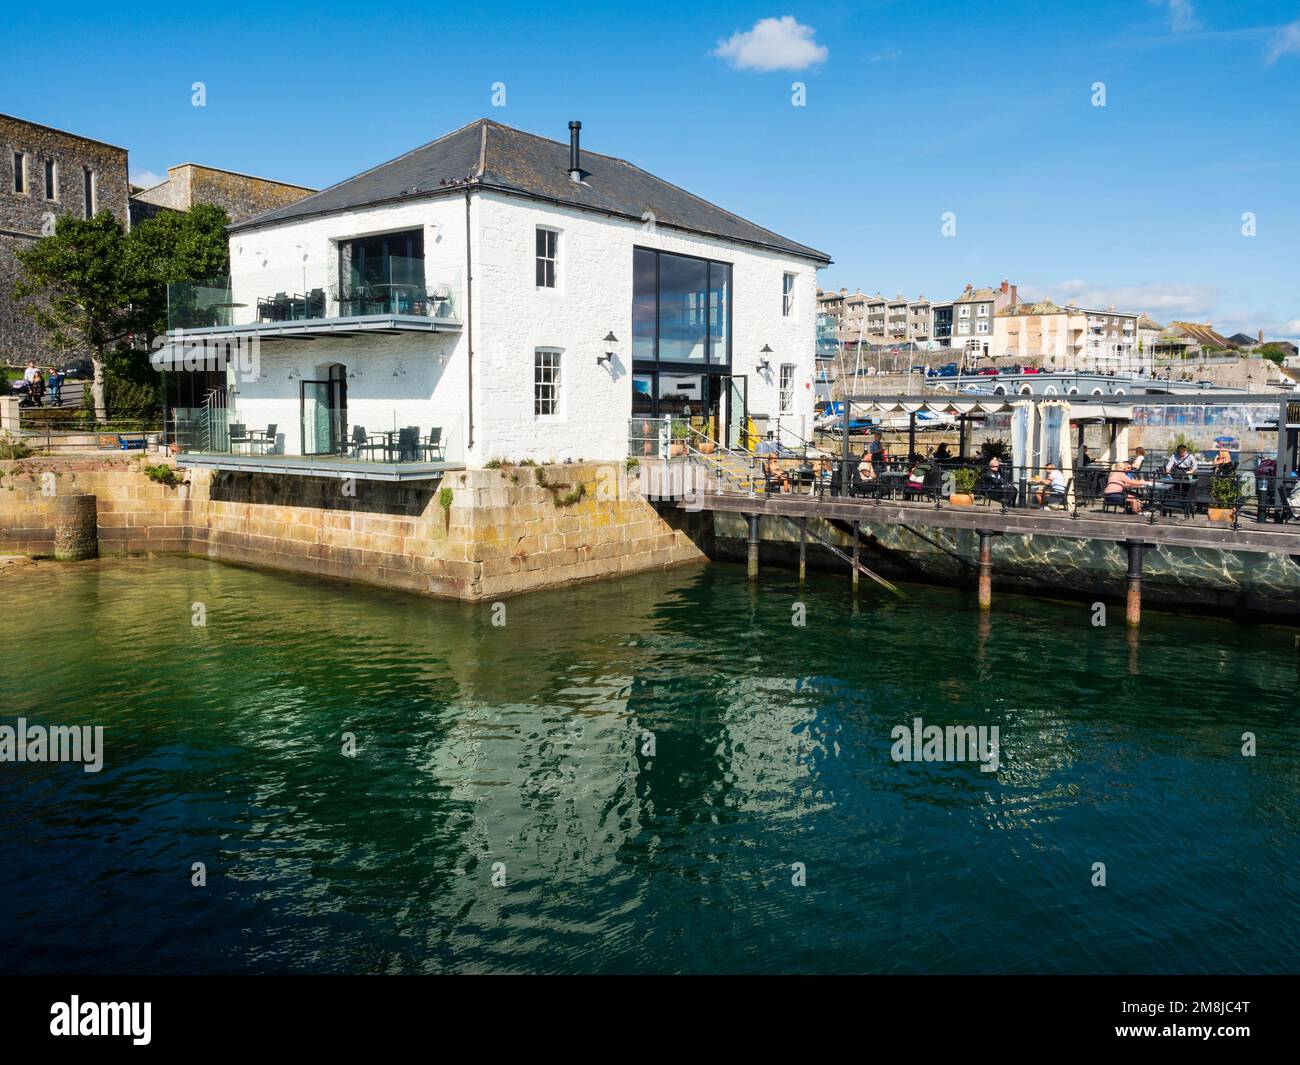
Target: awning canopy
{"x": 960, "y": 405}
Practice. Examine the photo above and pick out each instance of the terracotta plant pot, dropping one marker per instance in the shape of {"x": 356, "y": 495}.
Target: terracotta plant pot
{"x": 708, "y": 447}
{"x": 674, "y": 450}
{"x": 962, "y": 499}
{"x": 1219, "y": 514}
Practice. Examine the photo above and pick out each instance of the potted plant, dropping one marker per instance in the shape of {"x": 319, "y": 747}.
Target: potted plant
{"x": 680, "y": 434}
{"x": 964, "y": 484}
{"x": 1226, "y": 495}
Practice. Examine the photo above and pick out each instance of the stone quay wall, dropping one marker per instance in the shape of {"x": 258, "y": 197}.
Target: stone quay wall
{"x": 479, "y": 534}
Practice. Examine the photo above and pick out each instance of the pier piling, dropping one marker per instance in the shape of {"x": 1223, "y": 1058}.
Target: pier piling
{"x": 76, "y": 531}
{"x": 986, "y": 569}
{"x": 752, "y": 562}
{"x": 803, "y": 549}
{"x": 1133, "y": 606}
{"x": 855, "y": 556}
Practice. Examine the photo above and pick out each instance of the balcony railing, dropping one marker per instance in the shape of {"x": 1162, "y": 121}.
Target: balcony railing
{"x": 387, "y": 290}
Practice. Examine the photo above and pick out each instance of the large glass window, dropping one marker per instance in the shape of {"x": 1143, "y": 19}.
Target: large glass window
{"x": 645, "y": 282}
{"x": 382, "y": 274}
{"x": 20, "y": 172}
{"x": 787, "y": 295}
{"x": 683, "y": 288}
{"x": 681, "y": 308}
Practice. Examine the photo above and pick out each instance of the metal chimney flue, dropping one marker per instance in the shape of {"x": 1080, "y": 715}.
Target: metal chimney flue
{"x": 575, "y": 157}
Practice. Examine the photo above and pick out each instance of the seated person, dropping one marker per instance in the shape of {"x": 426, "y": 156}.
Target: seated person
{"x": 777, "y": 478}
{"x": 866, "y": 472}
{"x": 916, "y": 477}
{"x": 1051, "y": 486}
{"x": 942, "y": 454}
{"x": 994, "y": 483}
{"x": 1118, "y": 484}
{"x": 1223, "y": 464}
{"x": 1182, "y": 462}
{"x": 1139, "y": 457}
{"x": 822, "y": 474}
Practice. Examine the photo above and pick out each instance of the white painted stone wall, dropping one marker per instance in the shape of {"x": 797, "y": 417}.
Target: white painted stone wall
{"x": 422, "y": 379}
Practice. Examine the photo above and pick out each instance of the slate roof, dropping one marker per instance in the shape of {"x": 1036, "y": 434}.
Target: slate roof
{"x": 488, "y": 155}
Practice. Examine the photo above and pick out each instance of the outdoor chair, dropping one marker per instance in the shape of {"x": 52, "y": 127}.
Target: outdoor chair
{"x": 1181, "y": 497}
{"x": 316, "y": 303}
{"x": 265, "y": 440}
{"x": 361, "y": 442}
{"x": 238, "y": 435}
{"x": 432, "y": 448}
{"x": 408, "y": 444}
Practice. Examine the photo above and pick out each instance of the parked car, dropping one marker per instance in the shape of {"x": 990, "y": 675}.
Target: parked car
{"x": 1031, "y": 369}
{"x": 988, "y": 371}
{"x": 948, "y": 370}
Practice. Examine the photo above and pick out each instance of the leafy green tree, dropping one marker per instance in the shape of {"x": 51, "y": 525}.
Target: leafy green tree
{"x": 99, "y": 291}
{"x": 174, "y": 247}
{"x": 1273, "y": 352}
{"x": 75, "y": 286}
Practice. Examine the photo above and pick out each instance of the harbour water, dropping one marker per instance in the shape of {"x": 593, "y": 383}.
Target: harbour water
{"x": 630, "y": 777}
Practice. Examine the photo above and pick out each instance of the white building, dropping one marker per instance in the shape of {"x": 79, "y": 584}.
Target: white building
{"x": 521, "y": 296}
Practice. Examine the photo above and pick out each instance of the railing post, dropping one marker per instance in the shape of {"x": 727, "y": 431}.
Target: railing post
{"x": 751, "y": 570}
{"x": 1133, "y": 605}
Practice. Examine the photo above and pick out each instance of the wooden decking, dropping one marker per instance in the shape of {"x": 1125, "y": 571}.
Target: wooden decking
{"x": 1090, "y": 524}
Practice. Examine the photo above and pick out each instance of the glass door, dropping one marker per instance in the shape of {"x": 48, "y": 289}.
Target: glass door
{"x": 317, "y": 435}
{"x": 735, "y": 395}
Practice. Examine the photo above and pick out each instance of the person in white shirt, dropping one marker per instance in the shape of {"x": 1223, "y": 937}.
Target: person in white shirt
{"x": 30, "y": 372}
{"x": 1051, "y": 486}
{"x": 1139, "y": 457}
{"x": 1181, "y": 461}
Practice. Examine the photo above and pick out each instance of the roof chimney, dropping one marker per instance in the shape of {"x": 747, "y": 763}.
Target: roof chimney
{"x": 1261, "y": 336}
{"x": 1015, "y": 295}
{"x": 575, "y": 162}
{"x": 1004, "y": 284}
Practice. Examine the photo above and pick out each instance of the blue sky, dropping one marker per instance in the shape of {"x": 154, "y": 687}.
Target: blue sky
{"x": 912, "y": 110}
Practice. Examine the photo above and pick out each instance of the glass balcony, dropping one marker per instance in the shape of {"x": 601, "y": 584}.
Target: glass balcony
{"x": 200, "y": 305}
{"x": 389, "y": 286}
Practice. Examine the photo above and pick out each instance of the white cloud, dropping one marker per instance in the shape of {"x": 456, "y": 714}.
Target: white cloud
{"x": 1285, "y": 42}
{"x": 146, "y": 179}
{"x": 773, "y": 44}
{"x": 887, "y": 55}
{"x": 1182, "y": 16}
{"x": 1193, "y": 303}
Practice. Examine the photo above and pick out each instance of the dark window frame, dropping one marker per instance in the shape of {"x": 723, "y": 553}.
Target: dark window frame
{"x": 710, "y": 364}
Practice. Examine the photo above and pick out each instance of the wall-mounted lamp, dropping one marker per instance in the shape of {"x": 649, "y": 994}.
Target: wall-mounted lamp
{"x": 764, "y": 364}
{"x": 294, "y": 375}
{"x": 610, "y": 341}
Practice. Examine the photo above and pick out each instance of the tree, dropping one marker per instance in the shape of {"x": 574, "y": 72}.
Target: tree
{"x": 1272, "y": 351}
{"x": 99, "y": 291}
{"x": 78, "y": 290}
{"x": 169, "y": 248}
